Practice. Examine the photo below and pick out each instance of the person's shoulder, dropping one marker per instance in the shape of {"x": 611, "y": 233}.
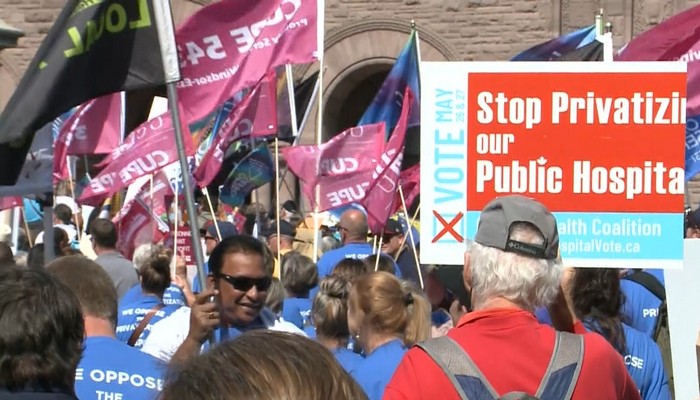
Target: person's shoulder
{"x": 168, "y": 334}
{"x": 331, "y": 255}
{"x": 639, "y": 342}
{"x": 131, "y": 297}
{"x": 597, "y": 350}
{"x": 274, "y": 323}
{"x": 178, "y": 320}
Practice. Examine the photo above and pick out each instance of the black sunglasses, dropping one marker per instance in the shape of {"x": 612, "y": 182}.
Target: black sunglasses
{"x": 244, "y": 284}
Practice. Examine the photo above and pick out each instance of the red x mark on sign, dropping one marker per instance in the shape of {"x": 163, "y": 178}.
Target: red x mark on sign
{"x": 448, "y": 227}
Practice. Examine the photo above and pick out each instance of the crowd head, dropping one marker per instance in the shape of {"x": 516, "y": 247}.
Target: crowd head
{"x": 264, "y": 365}
{"x": 41, "y": 332}
{"x": 514, "y": 255}
{"x": 237, "y": 270}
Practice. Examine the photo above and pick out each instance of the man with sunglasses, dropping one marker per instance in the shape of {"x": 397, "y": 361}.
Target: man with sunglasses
{"x": 232, "y": 303}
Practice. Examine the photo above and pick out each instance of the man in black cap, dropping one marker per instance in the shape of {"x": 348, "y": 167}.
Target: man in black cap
{"x": 287, "y": 233}
{"x": 500, "y": 348}
{"x": 394, "y": 245}
{"x": 290, "y": 213}
{"x": 211, "y": 239}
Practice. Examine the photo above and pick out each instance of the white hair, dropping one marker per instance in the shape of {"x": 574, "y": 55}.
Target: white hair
{"x": 526, "y": 281}
{"x": 142, "y": 253}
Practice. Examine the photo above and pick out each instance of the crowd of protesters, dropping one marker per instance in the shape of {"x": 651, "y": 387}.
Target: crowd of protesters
{"x": 360, "y": 323}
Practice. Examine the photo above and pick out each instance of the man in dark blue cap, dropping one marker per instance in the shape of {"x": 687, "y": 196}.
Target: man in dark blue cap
{"x": 395, "y": 245}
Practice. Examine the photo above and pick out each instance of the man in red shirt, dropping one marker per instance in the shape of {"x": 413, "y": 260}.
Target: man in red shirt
{"x": 511, "y": 268}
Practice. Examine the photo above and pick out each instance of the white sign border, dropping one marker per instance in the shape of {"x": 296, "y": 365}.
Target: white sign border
{"x": 454, "y": 76}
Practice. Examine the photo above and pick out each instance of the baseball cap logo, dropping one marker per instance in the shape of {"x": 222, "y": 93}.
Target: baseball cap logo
{"x": 524, "y": 248}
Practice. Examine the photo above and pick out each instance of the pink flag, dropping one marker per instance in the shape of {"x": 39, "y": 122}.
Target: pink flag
{"x": 140, "y": 219}
{"x": 229, "y": 45}
{"x": 341, "y": 167}
{"x": 675, "y": 39}
{"x": 379, "y": 201}
{"x": 409, "y": 180}
{"x": 136, "y": 228}
{"x": 10, "y": 202}
{"x": 149, "y": 148}
{"x": 94, "y": 128}
{"x": 255, "y": 116}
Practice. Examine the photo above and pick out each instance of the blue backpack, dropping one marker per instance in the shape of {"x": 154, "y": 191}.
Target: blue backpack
{"x": 470, "y": 383}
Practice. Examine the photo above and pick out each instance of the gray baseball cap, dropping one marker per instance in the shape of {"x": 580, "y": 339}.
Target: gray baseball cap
{"x": 499, "y": 216}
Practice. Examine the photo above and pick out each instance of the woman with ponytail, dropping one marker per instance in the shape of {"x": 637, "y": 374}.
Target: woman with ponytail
{"x": 135, "y": 319}
{"x": 597, "y": 302}
{"x": 385, "y": 316}
{"x": 329, "y": 313}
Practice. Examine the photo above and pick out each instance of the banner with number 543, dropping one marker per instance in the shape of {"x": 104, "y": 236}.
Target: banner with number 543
{"x": 229, "y": 45}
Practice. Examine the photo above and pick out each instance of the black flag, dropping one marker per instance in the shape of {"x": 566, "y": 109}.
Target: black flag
{"x": 94, "y": 48}
{"x": 591, "y": 52}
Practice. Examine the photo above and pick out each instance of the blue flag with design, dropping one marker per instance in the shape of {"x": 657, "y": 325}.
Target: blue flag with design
{"x": 386, "y": 106}
{"x": 557, "y": 47}
{"x": 253, "y": 171}
{"x": 81, "y": 184}
{"x": 692, "y": 147}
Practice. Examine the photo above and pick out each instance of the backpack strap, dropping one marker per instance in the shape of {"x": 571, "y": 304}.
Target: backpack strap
{"x": 649, "y": 282}
{"x": 564, "y": 368}
{"x": 143, "y": 324}
{"x": 465, "y": 376}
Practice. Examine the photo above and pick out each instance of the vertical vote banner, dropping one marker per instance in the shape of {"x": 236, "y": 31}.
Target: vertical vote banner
{"x": 600, "y": 144}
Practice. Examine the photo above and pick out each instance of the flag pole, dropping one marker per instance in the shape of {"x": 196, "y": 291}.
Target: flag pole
{"x": 154, "y": 224}
{"x": 279, "y": 178}
{"x": 304, "y": 120}
{"x": 205, "y": 191}
{"x": 378, "y": 253}
{"x": 26, "y": 226}
{"x": 277, "y": 199}
{"x": 49, "y": 246}
{"x": 410, "y": 234}
{"x": 171, "y": 68}
{"x": 15, "y": 228}
{"x": 599, "y": 26}
{"x": 320, "y": 49}
{"x": 292, "y": 100}
{"x": 72, "y": 193}
{"x": 410, "y": 224}
{"x": 176, "y": 222}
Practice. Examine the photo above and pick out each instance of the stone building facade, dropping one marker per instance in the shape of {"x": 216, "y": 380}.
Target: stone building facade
{"x": 363, "y": 38}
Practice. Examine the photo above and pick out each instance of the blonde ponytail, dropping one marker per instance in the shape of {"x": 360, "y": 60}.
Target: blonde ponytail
{"x": 392, "y": 307}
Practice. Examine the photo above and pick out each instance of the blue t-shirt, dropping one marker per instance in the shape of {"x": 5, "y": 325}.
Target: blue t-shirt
{"x": 347, "y": 359}
{"x": 131, "y": 314}
{"x": 297, "y": 311}
{"x": 358, "y": 251}
{"x": 542, "y": 315}
{"x": 644, "y": 364}
{"x": 110, "y": 369}
{"x": 641, "y": 308}
{"x": 310, "y": 332}
{"x": 329, "y": 260}
{"x": 196, "y": 285}
{"x": 222, "y": 334}
{"x": 376, "y": 370}
{"x": 173, "y": 296}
